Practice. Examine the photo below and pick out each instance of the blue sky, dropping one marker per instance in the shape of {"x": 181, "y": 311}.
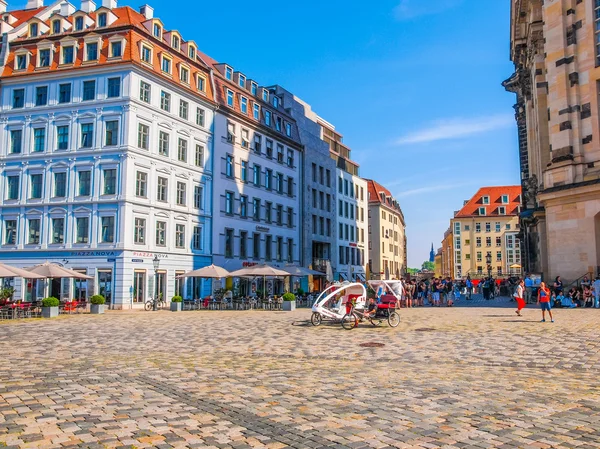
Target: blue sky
{"x": 413, "y": 85}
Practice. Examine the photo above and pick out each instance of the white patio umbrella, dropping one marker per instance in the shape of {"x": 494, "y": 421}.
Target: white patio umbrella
{"x": 6, "y": 271}
{"x": 54, "y": 271}
{"x": 210, "y": 272}
{"x": 263, "y": 271}
{"x": 301, "y": 271}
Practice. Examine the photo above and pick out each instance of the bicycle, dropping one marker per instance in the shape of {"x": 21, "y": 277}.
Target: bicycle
{"x": 149, "y": 305}
{"x": 351, "y": 319}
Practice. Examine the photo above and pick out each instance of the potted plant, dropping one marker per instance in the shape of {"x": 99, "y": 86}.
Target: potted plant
{"x": 176, "y": 303}
{"x": 97, "y": 304}
{"x": 300, "y": 292}
{"x": 50, "y": 307}
{"x": 289, "y": 302}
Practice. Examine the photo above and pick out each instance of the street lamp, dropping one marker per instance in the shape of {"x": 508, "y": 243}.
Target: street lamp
{"x": 156, "y": 264}
{"x": 488, "y": 261}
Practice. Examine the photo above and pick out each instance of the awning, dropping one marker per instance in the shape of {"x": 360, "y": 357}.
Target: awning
{"x": 361, "y": 276}
{"x": 343, "y": 276}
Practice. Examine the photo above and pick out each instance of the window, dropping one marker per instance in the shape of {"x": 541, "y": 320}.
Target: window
{"x": 268, "y": 179}
{"x": 243, "y": 244}
{"x": 141, "y": 184}
{"x": 257, "y": 143}
{"x": 280, "y": 153}
{"x": 182, "y": 150}
{"x": 145, "y": 92}
{"x": 243, "y": 206}
{"x": 16, "y": 141}
{"x": 485, "y": 200}
{"x": 184, "y": 75}
{"x": 143, "y": 133}
{"x": 83, "y": 230}
{"x": 498, "y": 226}
{"x": 108, "y": 229}
{"x": 45, "y": 58}
{"x": 256, "y": 246}
{"x": 21, "y": 62}
{"x": 479, "y": 258}
{"x": 245, "y": 141}
{"x": 102, "y": 19}
{"x": 229, "y": 73}
{"x": 139, "y": 231}
{"x": 18, "y": 98}
{"x": 268, "y": 247}
{"x": 244, "y": 171}
{"x": 278, "y": 123}
{"x": 498, "y": 256}
{"x": 279, "y": 214}
{"x": 41, "y": 95}
{"x": 165, "y": 101}
{"x": 229, "y": 166}
{"x": 229, "y": 98}
{"x": 228, "y": 243}
{"x": 488, "y": 227}
{"x": 12, "y": 187}
{"x": 267, "y": 118}
{"x": 64, "y": 93}
{"x": 508, "y": 226}
{"x": 200, "y": 117}
{"x": 163, "y": 143}
{"x": 269, "y": 149}
{"x": 256, "y": 209}
{"x": 290, "y": 217}
{"x": 256, "y": 175}
{"x": 290, "y": 186}
{"x": 242, "y": 80}
{"x": 505, "y": 199}
{"x": 34, "y": 231}
{"x": 199, "y": 197}
{"x": 10, "y": 236}
{"x": 197, "y": 238}
{"x": 498, "y": 241}
{"x": 256, "y": 111}
{"x": 477, "y": 227}
{"x": 85, "y": 183}
{"x": 288, "y": 130}
{"x": 199, "y": 159}
{"x": 183, "y": 109}
{"x": 112, "y": 133}
{"x": 244, "y": 105}
{"x": 265, "y": 95}
{"x": 33, "y": 30}
{"x": 290, "y": 163}
{"x": 157, "y": 31}
{"x": 58, "y": 231}
{"x": 146, "y": 54}
{"x": 478, "y": 242}
{"x": 161, "y": 191}
{"x": 89, "y": 90}
{"x": 230, "y": 132}
{"x": 166, "y": 65}
{"x": 488, "y": 242}
{"x": 116, "y": 49}
{"x": 110, "y": 181}
{"x": 78, "y": 23}
{"x": 87, "y": 135}
{"x": 502, "y": 210}
{"x": 114, "y": 88}
{"x": 180, "y": 236}
{"x": 279, "y": 249}
{"x": 91, "y": 51}
{"x": 181, "y": 193}
{"x": 201, "y": 83}
{"x": 60, "y": 185}
{"x": 229, "y": 203}
{"x": 268, "y": 211}
{"x": 68, "y": 54}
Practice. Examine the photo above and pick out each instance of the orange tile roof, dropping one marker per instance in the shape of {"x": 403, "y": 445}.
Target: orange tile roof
{"x": 375, "y": 190}
{"x": 471, "y": 208}
{"x": 24, "y": 15}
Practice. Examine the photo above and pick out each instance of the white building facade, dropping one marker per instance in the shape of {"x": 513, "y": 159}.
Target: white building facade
{"x": 105, "y": 163}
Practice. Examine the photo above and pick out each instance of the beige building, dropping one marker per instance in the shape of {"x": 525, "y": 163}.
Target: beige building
{"x": 387, "y": 234}
{"x": 486, "y": 228}
{"x": 438, "y": 271}
{"x": 557, "y": 82}
{"x": 447, "y": 262}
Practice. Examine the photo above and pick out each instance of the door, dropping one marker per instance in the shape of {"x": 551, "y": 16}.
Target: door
{"x": 161, "y": 285}
{"x": 105, "y": 285}
{"x": 139, "y": 286}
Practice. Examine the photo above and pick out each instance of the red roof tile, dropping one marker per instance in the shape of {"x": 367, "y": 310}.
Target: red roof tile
{"x": 471, "y": 208}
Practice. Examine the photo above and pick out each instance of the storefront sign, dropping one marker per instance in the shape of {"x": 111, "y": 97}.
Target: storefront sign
{"x": 151, "y": 255}
{"x": 249, "y": 264}
{"x": 137, "y": 260}
{"x": 263, "y": 228}
{"x": 93, "y": 253}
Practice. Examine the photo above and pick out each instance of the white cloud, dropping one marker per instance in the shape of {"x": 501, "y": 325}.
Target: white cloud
{"x": 410, "y": 9}
{"x": 456, "y": 128}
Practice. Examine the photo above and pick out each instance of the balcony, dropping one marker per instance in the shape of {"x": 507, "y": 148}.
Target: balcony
{"x": 321, "y": 265}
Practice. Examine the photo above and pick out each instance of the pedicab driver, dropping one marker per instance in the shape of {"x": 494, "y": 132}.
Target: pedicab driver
{"x": 371, "y": 309}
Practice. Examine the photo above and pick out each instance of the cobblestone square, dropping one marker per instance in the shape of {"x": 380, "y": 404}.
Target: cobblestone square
{"x": 466, "y": 377}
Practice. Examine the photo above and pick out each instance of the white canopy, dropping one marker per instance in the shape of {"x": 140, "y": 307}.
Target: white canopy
{"x": 54, "y": 271}
{"x": 259, "y": 271}
{"x": 210, "y": 272}
{"x": 6, "y": 271}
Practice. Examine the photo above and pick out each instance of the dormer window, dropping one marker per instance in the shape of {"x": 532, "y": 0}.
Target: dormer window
{"x": 253, "y": 88}
{"x": 102, "y": 19}
{"x": 504, "y": 199}
{"x": 56, "y": 27}
{"x": 146, "y": 54}
{"x": 201, "y": 83}
{"x": 157, "y": 31}
{"x": 166, "y": 65}
{"x": 502, "y": 210}
{"x": 229, "y": 98}
{"x": 485, "y": 200}
{"x": 229, "y": 73}
{"x": 21, "y": 62}
{"x": 68, "y": 54}
{"x": 256, "y": 111}
{"x": 278, "y": 123}
{"x": 265, "y": 95}
{"x": 175, "y": 42}
{"x": 116, "y": 49}
{"x": 482, "y": 211}
{"x": 33, "y": 30}
{"x": 275, "y": 101}
{"x": 288, "y": 130}
{"x": 91, "y": 51}
{"x": 267, "y": 118}
{"x": 242, "y": 81}
{"x": 78, "y": 23}
{"x": 192, "y": 53}
{"x": 244, "y": 105}
{"x": 44, "y": 58}
{"x": 184, "y": 75}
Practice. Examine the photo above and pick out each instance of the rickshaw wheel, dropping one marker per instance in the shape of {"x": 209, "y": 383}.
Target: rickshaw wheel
{"x": 316, "y": 319}
{"x": 394, "y": 319}
{"x": 350, "y": 321}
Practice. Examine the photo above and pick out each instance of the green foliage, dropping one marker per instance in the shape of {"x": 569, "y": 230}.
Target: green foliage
{"x": 429, "y": 266}
{"x": 289, "y": 297}
{"x": 50, "y": 302}
{"x": 260, "y": 293}
{"x": 6, "y": 293}
{"x": 300, "y": 292}
{"x": 97, "y": 299}
{"x": 412, "y": 270}
{"x": 176, "y": 298}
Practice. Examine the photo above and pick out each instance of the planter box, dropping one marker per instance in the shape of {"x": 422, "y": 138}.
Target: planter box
{"x": 49, "y": 312}
{"x": 97, "y": 309}
{"x": 176, "y": 307}
{"x": 289, "y": 306}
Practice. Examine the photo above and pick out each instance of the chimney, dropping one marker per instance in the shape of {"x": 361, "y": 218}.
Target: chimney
{"x": 3, "y": 6}
{"x": 110, "y": 4}
{"x": 147, "y": 11}
{"x": 66, "y": 9}
{"x": 88, "y": 6}
{"x": 33, "y": 4}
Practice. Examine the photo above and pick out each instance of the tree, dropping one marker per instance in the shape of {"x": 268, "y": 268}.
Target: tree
{"x": 429, "y": 266}
{"x": 412, "y": 270}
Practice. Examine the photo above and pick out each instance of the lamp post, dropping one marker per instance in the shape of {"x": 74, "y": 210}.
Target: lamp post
{"x": 488, "y": 261}
{"x": 156, "y": 264}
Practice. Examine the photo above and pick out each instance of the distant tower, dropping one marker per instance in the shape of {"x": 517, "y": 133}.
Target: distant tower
{"x": 432, "y": 254}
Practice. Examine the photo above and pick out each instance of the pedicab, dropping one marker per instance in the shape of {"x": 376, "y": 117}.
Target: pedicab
{"x": 335, "y": 302}
{"x": 389, "y": 295}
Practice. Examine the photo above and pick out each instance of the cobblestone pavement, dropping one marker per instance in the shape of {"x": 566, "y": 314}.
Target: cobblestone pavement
{"x": 469, "y": 377}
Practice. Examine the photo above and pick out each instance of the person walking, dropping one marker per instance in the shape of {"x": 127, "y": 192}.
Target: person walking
{"x": 519, "y": 294}
{"x": 528, "y": 288}
{"x": 469, "y": 285}
{"x": 544, "y": 302}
